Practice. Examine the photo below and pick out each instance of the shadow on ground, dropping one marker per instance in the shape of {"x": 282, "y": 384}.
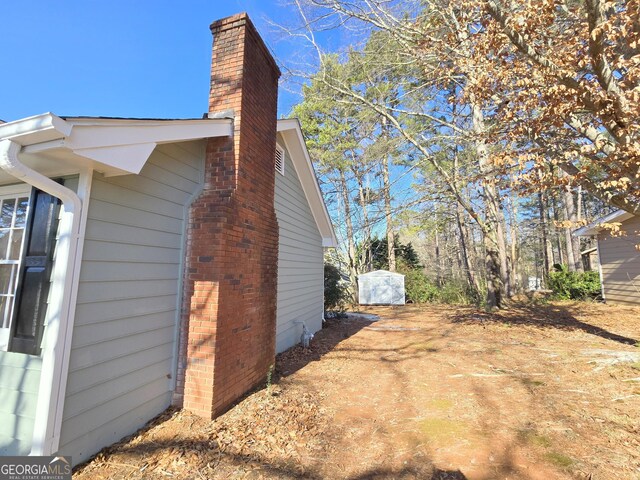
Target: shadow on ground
{"x": 207, "y": 460}
{"x": 541, "y": 316}
{"x": 334, "y": 331}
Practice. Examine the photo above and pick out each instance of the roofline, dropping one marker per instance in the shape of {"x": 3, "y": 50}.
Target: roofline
{"x": 113, "y": 146}
{"x": 594, "y": 227}
{"x": 328, "y": 233}
{"x": 143, "y": 121}
{"x": 32, "y": 130}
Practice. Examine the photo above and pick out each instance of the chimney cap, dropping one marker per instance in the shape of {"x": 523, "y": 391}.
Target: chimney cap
{"x": 237, "y": 20}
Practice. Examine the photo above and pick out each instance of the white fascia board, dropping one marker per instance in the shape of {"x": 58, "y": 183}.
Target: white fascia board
{"x": 292, "y": 134}
{"x": 36, "y": 129}
{"x": 594, "y": 227}
{"x": 97, "y": 133}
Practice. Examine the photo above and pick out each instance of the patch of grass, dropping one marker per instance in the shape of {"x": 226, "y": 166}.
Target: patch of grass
{"x": 425, "y": 347}
{"x": 558, "y": 459}
{"x": 531, "y": 383}
{"x": 636, "y": 365}
{"x": 534, "y": 438}
{"x": 442, "y": 430}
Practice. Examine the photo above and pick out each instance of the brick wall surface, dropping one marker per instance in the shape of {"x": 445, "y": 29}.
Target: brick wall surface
{"x": 229, "y": 310}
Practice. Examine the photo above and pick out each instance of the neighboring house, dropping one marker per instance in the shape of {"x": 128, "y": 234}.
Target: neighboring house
{"x": 618, "y": 256}
{"x": 150, "y": 261}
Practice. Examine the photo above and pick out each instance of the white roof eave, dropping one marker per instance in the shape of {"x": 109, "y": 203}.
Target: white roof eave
{"x": 114, "y": 146}
{"x": 594, "y": 227}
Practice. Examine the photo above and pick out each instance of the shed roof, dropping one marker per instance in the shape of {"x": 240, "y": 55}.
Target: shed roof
{"x": 381, "y": 273}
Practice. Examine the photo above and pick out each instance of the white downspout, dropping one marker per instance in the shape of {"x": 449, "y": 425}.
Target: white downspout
{"x": 57, "y": 334}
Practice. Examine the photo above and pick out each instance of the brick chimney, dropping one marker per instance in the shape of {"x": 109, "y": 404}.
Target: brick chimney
{"x": 229, "y": 311}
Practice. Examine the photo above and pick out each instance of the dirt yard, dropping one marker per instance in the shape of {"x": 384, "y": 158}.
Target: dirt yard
{"x": 535, "y": 392}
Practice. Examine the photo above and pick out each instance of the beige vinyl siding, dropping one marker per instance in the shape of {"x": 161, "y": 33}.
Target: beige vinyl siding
{"x": 620, "y": 260}
{"x": 124, "y": 338}
{"x": 300, "y": 260}
{"x": 19, "y": 382}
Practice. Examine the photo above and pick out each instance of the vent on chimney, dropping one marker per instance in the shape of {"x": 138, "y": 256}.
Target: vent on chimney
{"x": 279, "y": 159}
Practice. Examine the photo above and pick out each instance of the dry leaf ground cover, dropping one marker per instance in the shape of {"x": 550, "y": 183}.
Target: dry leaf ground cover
{"x": 533, "y": 392}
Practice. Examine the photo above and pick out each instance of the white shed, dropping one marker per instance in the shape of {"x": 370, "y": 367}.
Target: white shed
{"x": 381, "y": 287}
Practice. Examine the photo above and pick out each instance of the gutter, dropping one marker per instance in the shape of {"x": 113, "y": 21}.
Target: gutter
{"x": 59, "y": 324}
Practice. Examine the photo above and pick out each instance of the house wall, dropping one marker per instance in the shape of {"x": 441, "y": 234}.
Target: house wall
{"x": 122, "y": 355}
{"x": 620, "y": 260}
{"x": 19, "y": 384}
{"x": 300, "y": 260}
{"x": 19, "y": 380}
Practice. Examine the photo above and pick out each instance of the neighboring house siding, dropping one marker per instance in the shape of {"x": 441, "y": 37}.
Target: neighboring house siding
{"x": 620, "y": 260}
{"x": 124, "y": 339}
{"x": 300, "y": 260}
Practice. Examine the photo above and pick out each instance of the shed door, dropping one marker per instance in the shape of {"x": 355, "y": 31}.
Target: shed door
{"x": 382, "y": 290}
{"x": 397, "y": 290}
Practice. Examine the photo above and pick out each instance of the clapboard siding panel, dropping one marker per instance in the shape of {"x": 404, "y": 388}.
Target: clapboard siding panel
{"x": 19, "y": 382}
{"x": 620, "y": 263}
{"x": 124, "y": 336}
{"x": 134, "y": 235}
{"x": 300, "y": 260}
{"x": 83, "y": 445}
{"x": 85, "y": 378}
{"x": 95, "y": 292}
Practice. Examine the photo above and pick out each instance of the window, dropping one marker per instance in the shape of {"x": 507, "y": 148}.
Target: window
{"x": 13, "y": 220}
{"x": 279, "y": 159}
{"x": 28, "y": 223}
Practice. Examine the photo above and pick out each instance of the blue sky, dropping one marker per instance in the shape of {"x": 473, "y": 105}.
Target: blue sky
{"x": 125, "y": 58}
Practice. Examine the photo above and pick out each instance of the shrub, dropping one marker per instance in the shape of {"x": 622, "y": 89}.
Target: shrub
{"x": 418, "y": 288}
{"x": 568, "y": 285}
{"x": 457, "y": 293}
{"x": 336, "y": 293}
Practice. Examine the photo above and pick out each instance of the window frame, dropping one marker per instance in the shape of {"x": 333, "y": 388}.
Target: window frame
{"x": 15, "y": 192}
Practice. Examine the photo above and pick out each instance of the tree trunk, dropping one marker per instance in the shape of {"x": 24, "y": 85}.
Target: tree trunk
{"x": 545, "y": 245}
{"x": 494, "y": 282}
{"x": 573, "y": 243}
{"x": 494, "y": 255}
{"x": 467, "y": 259}
{"x": 365, "y": 254}
{"x": 438, "y": 258}
{"x": 515, "y": 250}
{"x": 351, "y": 246}
{"x": 386, "y": 193}
{"x": 505, "y": 269}
{"x": 562, "y": 256}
